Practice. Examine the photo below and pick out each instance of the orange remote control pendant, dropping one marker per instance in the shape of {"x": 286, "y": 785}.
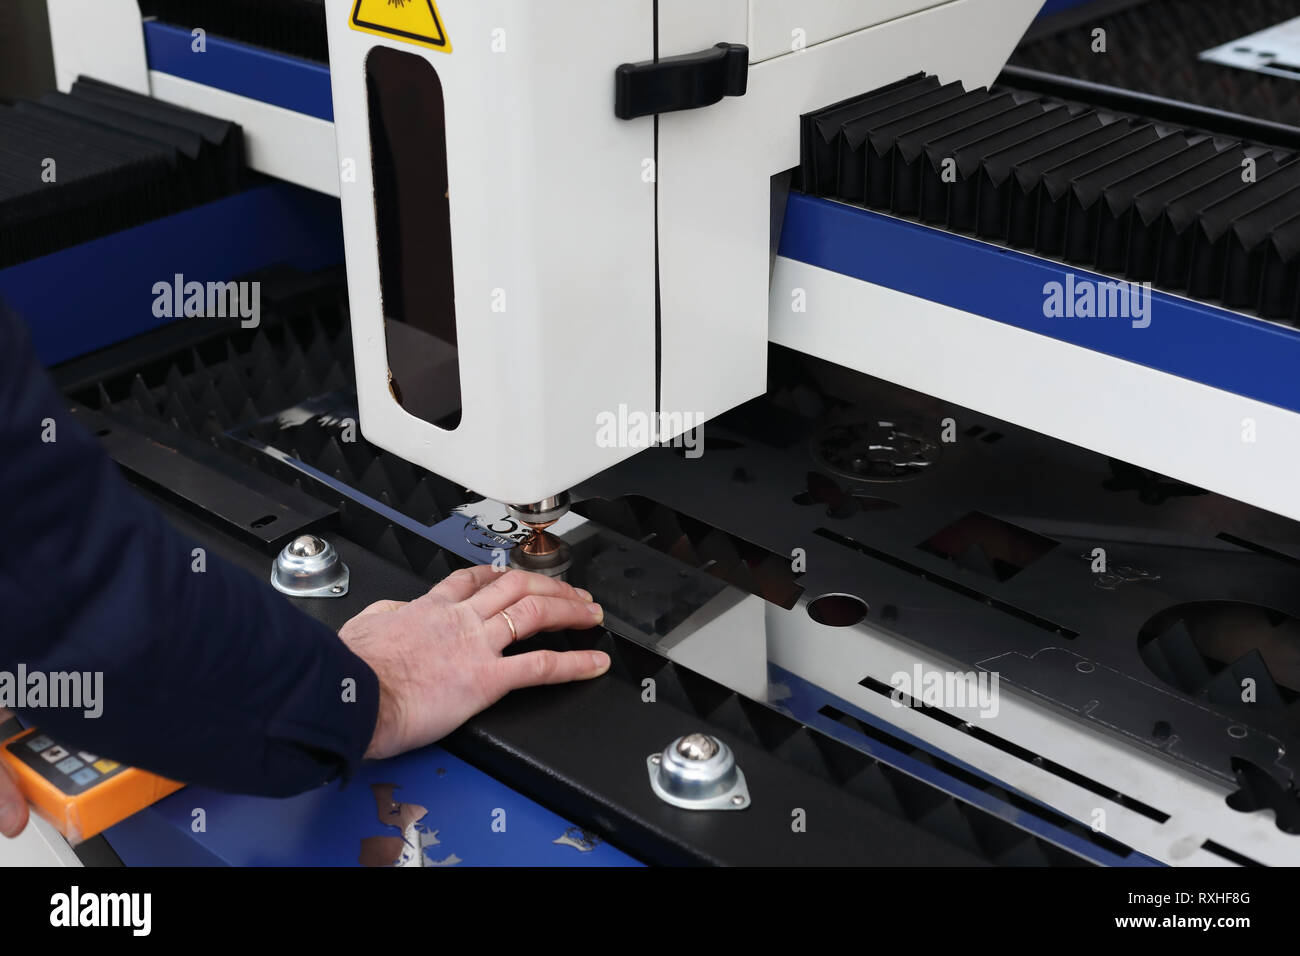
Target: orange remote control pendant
{"x": 80, "y": 793}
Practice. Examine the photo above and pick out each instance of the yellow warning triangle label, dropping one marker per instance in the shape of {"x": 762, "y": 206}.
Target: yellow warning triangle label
{"x": 413, "y": 21}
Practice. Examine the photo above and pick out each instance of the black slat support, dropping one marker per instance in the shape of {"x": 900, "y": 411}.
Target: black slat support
{"x": 1184, "y": 209}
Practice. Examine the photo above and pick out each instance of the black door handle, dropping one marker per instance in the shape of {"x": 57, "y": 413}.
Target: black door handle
{"x": 683, "y": 82}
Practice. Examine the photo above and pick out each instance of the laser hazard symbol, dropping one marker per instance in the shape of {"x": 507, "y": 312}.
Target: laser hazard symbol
{"x": 411, "y": 21}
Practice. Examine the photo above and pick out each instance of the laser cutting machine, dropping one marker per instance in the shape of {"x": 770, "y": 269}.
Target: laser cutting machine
{"x": 989, "y": 549}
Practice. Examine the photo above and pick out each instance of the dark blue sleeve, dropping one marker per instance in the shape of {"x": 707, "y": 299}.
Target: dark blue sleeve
{"x": 207, "y": 677}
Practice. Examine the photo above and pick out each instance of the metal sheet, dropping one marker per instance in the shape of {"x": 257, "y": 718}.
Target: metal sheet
{"x": 1170, "y": 536}
{"x": 1275, "y": 51}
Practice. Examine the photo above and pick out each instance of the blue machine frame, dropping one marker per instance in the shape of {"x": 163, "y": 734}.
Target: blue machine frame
{"x": 101, "y": 292}
{"x": 276, "y": 78}
{"x": 1250, "y": 357}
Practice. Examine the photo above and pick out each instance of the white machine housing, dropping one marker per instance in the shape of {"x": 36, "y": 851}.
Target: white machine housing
{"x": 575, "y": 257}
{"x": 558, "y": 209}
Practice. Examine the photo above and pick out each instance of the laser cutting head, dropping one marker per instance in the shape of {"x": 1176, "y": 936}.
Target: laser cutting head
{"x": 534, "y": 261}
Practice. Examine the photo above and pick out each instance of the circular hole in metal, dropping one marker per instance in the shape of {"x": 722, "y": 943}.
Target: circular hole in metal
{"x": 1085, "y": 667}
{"x": 1236, "y": 732}
{"x": 837, "y": 610}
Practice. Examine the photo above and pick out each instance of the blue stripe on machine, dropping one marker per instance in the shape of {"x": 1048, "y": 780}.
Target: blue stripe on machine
{"x": 275, "y": 78}
{"x": 101, "y": 292}
{"x": 1193, "y": 340}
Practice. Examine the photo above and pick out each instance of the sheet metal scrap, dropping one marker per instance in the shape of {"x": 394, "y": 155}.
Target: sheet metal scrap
{"x": 581, "y": 840}
{"x": 408, "y": 849}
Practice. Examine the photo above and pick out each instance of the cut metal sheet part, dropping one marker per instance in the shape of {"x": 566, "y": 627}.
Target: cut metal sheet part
{"x": 1275, "y": 51}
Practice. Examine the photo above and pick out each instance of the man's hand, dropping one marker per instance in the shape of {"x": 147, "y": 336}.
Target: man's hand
{"x": 13, "y": 805}
{"x": 438, "y": 658}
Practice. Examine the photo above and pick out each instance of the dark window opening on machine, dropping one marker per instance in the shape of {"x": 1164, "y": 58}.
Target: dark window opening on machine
{"x": 408, "y": 137}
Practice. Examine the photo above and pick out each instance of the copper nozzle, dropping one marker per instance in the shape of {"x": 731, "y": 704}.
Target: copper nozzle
{"x": 541, "y": 543}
